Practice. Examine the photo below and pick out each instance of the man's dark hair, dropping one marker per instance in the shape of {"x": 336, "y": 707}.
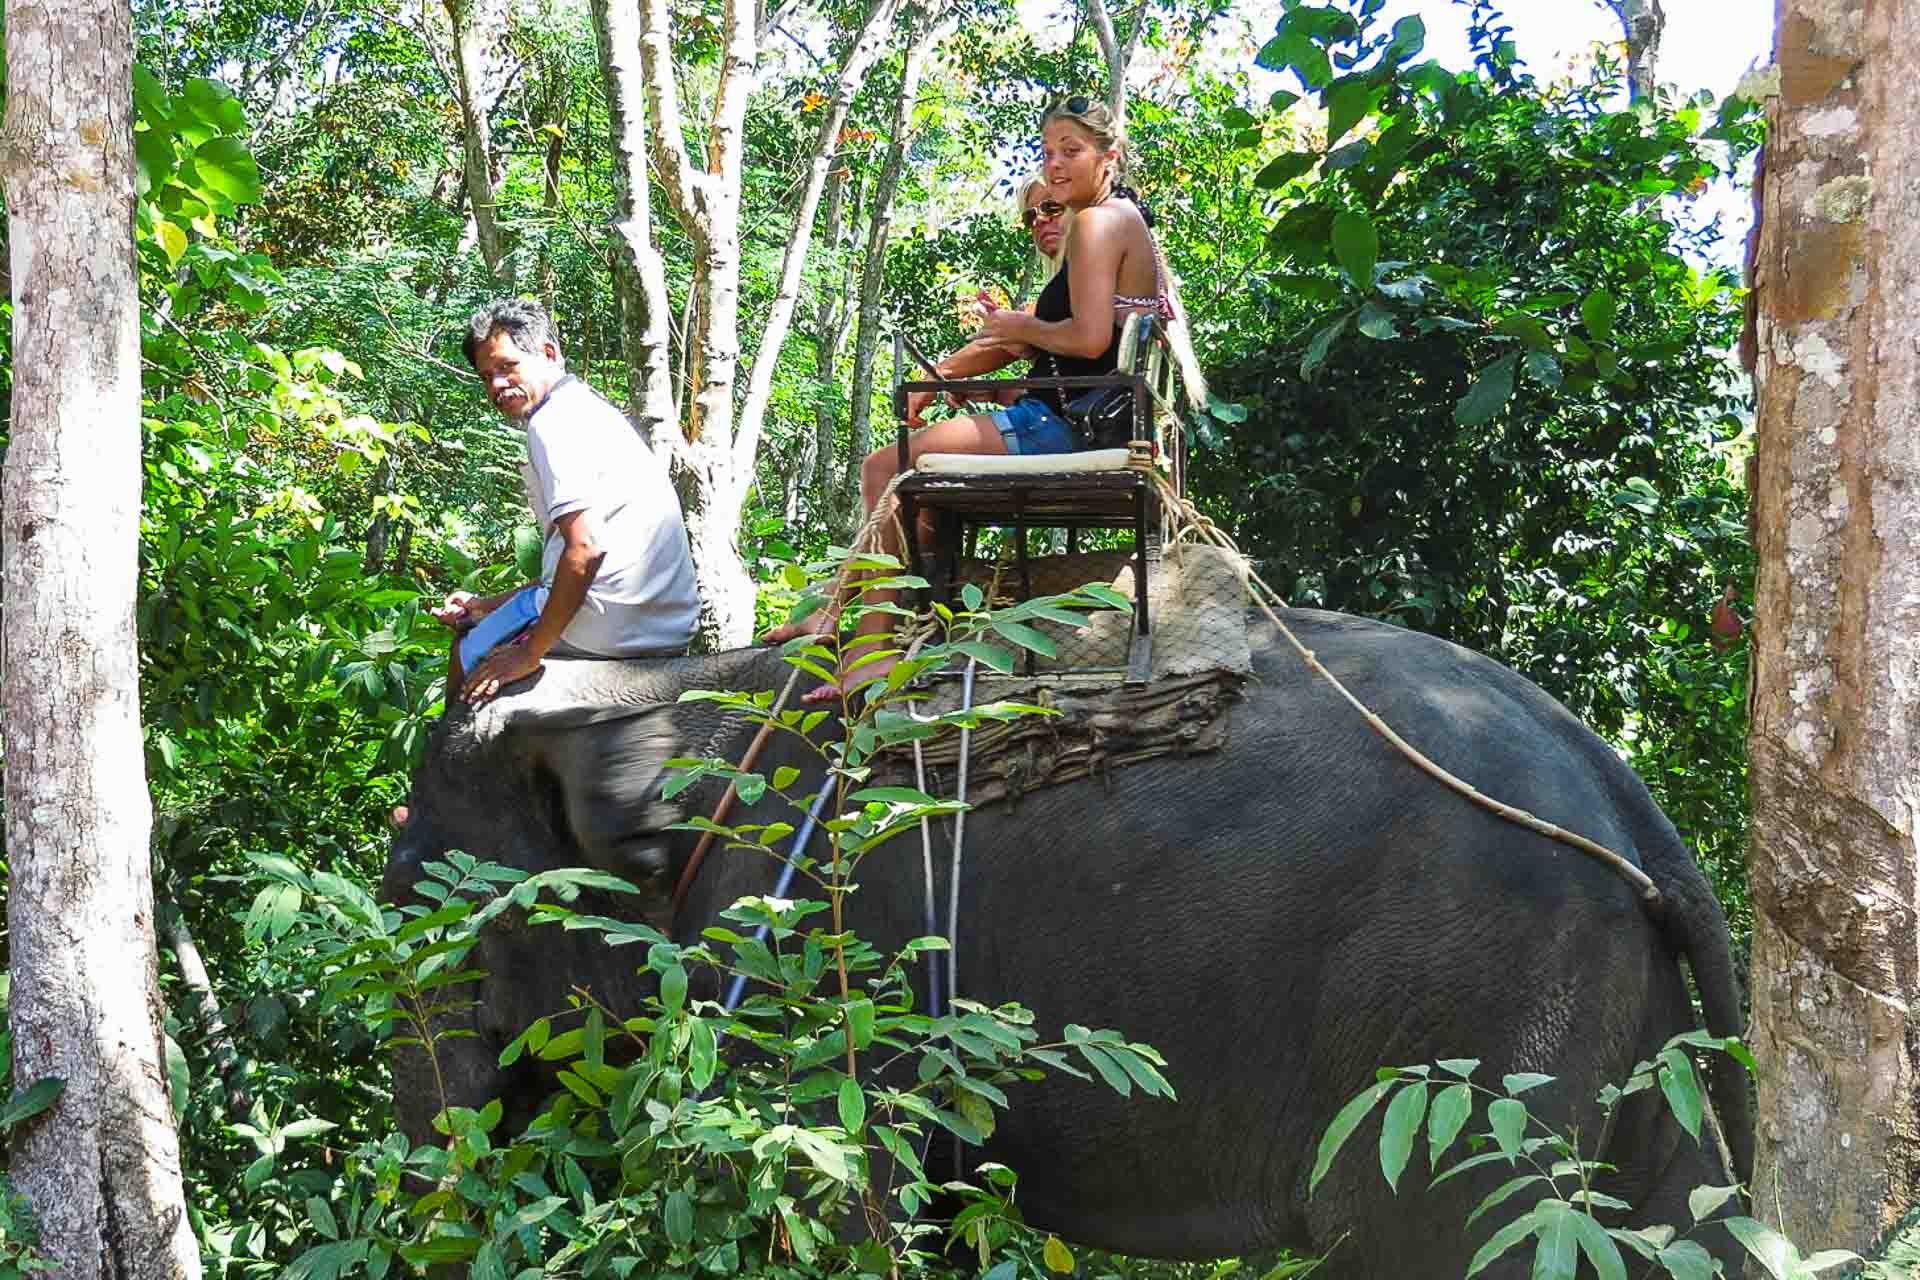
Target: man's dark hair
{"x": 527, "y": 323}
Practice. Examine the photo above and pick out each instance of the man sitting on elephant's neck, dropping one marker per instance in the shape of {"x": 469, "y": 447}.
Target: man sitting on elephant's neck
{"x": 616, "y": 575}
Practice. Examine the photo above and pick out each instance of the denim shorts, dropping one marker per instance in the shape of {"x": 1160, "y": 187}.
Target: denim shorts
{"x": 1029, "y": 425}
{"x": 516, "y": 614}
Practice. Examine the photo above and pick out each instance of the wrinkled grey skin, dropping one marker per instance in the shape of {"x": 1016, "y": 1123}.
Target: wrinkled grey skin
{"x": 1279, "y": 919}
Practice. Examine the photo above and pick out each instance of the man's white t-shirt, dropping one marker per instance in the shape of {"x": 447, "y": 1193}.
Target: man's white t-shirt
{"x": 585, "y": 456}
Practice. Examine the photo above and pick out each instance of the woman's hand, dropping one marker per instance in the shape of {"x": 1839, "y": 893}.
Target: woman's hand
{"x": 1005, "y": 328}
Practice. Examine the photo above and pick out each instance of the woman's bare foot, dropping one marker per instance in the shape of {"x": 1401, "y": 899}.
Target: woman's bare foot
{"x": 863, "y": 676}
{"x": 817, "y": 623}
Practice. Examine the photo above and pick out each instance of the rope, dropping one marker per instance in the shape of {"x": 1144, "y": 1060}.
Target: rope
{"x": 1196, "y": 523}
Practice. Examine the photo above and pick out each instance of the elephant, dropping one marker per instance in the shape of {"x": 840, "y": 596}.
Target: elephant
{"x": 1279, "y": 918}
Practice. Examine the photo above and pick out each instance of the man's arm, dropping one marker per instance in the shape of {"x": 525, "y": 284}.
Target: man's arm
{"x": 580, "y": 561}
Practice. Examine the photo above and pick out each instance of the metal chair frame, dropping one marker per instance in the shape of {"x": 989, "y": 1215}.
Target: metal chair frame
{"x": 961, "y": 504}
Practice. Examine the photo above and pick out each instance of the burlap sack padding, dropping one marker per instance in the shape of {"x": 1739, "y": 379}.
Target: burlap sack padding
{"x": 1099, "y": 728}
{"x": 1197, "y": 608}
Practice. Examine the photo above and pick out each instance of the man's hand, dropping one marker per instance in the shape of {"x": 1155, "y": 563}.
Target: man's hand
{"x": 503, "y": 666}
{"x": 461, "y": 610}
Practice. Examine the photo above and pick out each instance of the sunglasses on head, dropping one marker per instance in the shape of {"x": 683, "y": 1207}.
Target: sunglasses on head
{"x": 1048, "y": 209}
{"x": 1077, "y": 105}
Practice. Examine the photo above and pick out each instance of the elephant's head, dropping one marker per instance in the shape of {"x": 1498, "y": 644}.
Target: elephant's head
{"x": 567, "y": 773}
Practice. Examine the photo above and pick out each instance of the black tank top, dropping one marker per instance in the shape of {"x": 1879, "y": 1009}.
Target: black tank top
{"x": 1055, "y": 303}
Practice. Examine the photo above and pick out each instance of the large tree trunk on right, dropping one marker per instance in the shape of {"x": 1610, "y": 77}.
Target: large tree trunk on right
{"x": 102, "y": 1168}
{"x": 1835, "y": 877}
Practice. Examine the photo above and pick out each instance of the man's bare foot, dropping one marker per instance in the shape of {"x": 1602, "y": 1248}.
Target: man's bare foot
{"x": 817, "y": 623}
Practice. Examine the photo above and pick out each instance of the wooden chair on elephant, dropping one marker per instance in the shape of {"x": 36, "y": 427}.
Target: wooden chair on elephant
{"x": 1088, "y": 489}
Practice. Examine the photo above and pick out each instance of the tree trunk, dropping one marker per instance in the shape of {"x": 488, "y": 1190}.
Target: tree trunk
{"x": 873, "y": 273}
{"x": 102, "y": 1167}
{"x": 477, "y": 25}
{"x": 829, "y": 337}
{"x": 1837, "y": 661}
{"x": 1643, "y": 22}
{"x": 640, "y": 274}
{"x": 706, "y": 199}
{"x": 1116, "y": 55}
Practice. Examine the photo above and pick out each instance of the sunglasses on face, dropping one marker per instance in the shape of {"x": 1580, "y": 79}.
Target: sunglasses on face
{"x": 1048, "y": 209}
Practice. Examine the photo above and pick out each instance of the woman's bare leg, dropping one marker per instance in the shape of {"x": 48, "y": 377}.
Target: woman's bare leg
{"x": 975, "y": 433}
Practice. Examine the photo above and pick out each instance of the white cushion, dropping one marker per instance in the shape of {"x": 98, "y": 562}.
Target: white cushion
{"x": 1022, "y": 464}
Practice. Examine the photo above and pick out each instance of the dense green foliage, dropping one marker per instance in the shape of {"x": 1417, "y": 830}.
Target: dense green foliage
{"x": 1471, "y": 371}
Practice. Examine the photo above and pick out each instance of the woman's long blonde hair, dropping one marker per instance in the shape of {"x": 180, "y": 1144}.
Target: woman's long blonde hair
{"x": 1097, "y": 120}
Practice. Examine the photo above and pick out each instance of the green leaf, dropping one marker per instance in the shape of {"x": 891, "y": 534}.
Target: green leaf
{"x": 673, "y": 989}
{"x": 891, "y": 795}
{"x": 1503, "y": 1239}
{"x": 1704, "y": 1202}
{"x": 1344, "y": 1123}
{"x": 1462, "y": 1067}
{"x": 1528, "y": 329}
{"x": 1502, "y": 1193}
{"x": 214, "y": 104}
{"x": 150, "y": 96}
{"x": 1356, "y": 245}
{"x": 1597, "y": 311}
{"x": 1521, "y": 1081}
{"x": 822, "y": 1154}
{"x": 703, "y": 1055}
{"x": 1768, "y": 1247}
{"x": 31, "y": 1102}
{"x": 1488, "y": 393}
{"x": 1322, "y": 344}
{"x": 1556, "y": 1256}
{"x": 320, "y": 1214}
{"x": 1509, "y": 1120}
{"x": 1688, "y": 1260}
{"x": 225, "y": 166}
{"x": 1681, "y": 1084}
{"x": 1409, "y": 38}
{"x": 1598, "y": 1246}
{"x": 1376, "y": 322}
{"x": 154, "y": 157}
{"x": 1347, "y": 100}
{"x": 1449, "y": 1114}
{"x": 1397, "y": 1132}
{"x": 853, "y": 1105}
{"x": 1544, "y": 369}
{"x": 679, "y": 1218}
{"x": 1026, "y": 637}
{"x": 1284, "y": 168}
{"x": 1057, "y": 1256}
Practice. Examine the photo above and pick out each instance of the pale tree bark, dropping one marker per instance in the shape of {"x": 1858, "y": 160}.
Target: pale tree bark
{"x": 706, "y": 200}
{"x": 478, "y": 26}
{"x": 1835, "y": 761}
{"x": 1117, "y": 55}
{"x": 102, "y": 1167}
{"x": 640, "y": 273}
{"x": 873, "y": 272}
{"x": 715, "y": 459}
{"x": 1643, "y": 22}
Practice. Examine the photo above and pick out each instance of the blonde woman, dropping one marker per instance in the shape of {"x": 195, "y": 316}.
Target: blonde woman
{"x": 1110, "y": 269}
